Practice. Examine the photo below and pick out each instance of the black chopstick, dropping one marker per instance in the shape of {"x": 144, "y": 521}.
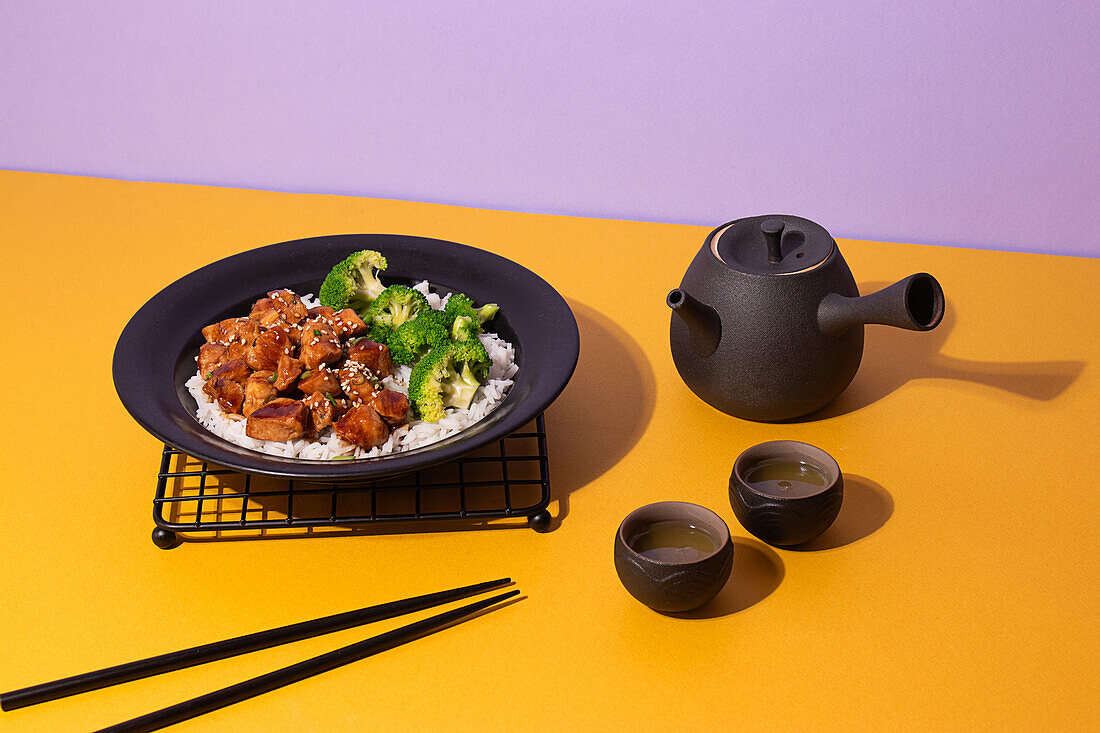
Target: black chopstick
{"x": 231, "y": 647}
{"x": 300, "y": 671}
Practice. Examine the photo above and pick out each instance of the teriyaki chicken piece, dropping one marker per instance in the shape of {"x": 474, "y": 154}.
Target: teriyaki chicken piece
{"x": 374, "y": 356}
{"x": 289, "y": 306}
{"x": 391, "y": 406}
{"x": 280, "y": 419}
{"x": 321, "y": 379}
{"x": 231, "y": 330}
{"x": 211, "y": 356}
{"x": 287, "y": 372}
{"x": 363, "y": 426}
{"x": 259, "y": 390}
{"x": 226, "y": 385}
{"x": 267, "y": 348}
{"x": 320, "y": 344}
{"x": 348, "y": 324}
{"x": 324, "y": 409}
{"x": 358, "y": 381}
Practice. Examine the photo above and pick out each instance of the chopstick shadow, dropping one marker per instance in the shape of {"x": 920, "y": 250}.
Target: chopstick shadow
{"x": 478, "y": 614}
{"x": 892, "y": 357}
{"x": 604, "y": 410}
{"x": 757, "y": 572}
{"x": 866, "y": 508}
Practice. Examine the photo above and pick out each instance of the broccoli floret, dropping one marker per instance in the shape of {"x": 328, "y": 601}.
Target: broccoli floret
{"x": 426, "y": 384}
{"x": 415, "y": 338}
{"x": 474, "y": 354}
{"x": 380, "y": 333}
{"x": 400, "y": 353}
{"x": 459, "y": 307}
{"x": 436, "y": 316}
{"x": 396, "y": 305}
{"x": 464, "y": 328}
{"x": 469, "y": 366}
{"x": 459, "y": 304}
{"x": 447, "y": 377}
{"x": 412, "y": 339}
{"x": 487, "y": 311}
{"x": 384, "y": 333}
{"x": 354, "y": 282}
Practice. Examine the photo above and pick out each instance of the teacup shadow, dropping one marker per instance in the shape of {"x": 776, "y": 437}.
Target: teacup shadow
{"x": 892, "y": 357}
{"x": 866, "y": 508}
{"x": 757, "y": 572}
{"x": 584, "y": 437}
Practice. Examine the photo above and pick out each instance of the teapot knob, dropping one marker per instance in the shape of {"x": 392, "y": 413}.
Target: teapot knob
{"x": 773, "y": 233}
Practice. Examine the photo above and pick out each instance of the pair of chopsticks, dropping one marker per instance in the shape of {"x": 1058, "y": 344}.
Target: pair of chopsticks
{"x": 263, "y": 640}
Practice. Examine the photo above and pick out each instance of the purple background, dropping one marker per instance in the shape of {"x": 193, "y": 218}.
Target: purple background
{"x": 971, "y": 124}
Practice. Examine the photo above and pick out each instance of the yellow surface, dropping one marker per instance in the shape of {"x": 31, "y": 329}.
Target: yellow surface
{"x": 958, "y": 589}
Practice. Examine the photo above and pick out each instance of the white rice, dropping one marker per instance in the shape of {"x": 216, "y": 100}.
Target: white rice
{"x": 416, "y": 434}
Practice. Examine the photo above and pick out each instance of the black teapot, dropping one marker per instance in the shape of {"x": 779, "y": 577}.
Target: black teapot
{"x": 768, "y": 322}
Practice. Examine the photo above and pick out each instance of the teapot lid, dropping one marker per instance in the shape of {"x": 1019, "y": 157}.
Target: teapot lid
{"x": 776, "y": 244}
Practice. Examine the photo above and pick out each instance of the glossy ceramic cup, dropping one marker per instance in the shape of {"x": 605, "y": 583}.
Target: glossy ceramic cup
{"x": 784, "y": 519}
{"x": 673, "y": 586}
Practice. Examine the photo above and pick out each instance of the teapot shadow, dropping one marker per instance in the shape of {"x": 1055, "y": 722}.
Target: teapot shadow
{"x": 892, "y": 357}
{"x": 584, "y": 437}
{"x": 757, "y": 572}
{"x": 865, "y": 509}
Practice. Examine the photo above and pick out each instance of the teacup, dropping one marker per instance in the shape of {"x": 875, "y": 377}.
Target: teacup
{"x": 673, "y": 556}
{"x": 786, "y": 492}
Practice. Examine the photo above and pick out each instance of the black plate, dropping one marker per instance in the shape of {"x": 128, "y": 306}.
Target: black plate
{"x": 155, "y": 355}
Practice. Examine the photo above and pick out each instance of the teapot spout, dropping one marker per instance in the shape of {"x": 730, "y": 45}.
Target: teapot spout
{"x": 703, "y": 322}
{"x": 915, "y": 303}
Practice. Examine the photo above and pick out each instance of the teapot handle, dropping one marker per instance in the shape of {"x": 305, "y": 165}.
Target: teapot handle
{"x": 915, "y": 303}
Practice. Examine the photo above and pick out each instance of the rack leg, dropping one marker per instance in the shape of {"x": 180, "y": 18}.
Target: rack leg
{"x": 540, "y": 522}
{"x": 165, "y": 539}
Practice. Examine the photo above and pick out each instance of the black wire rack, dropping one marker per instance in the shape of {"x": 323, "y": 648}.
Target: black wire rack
{"x": 503, "y": 484}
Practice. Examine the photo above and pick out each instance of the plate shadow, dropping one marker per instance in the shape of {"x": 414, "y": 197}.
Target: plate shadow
{"x": 603, "y": 411}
